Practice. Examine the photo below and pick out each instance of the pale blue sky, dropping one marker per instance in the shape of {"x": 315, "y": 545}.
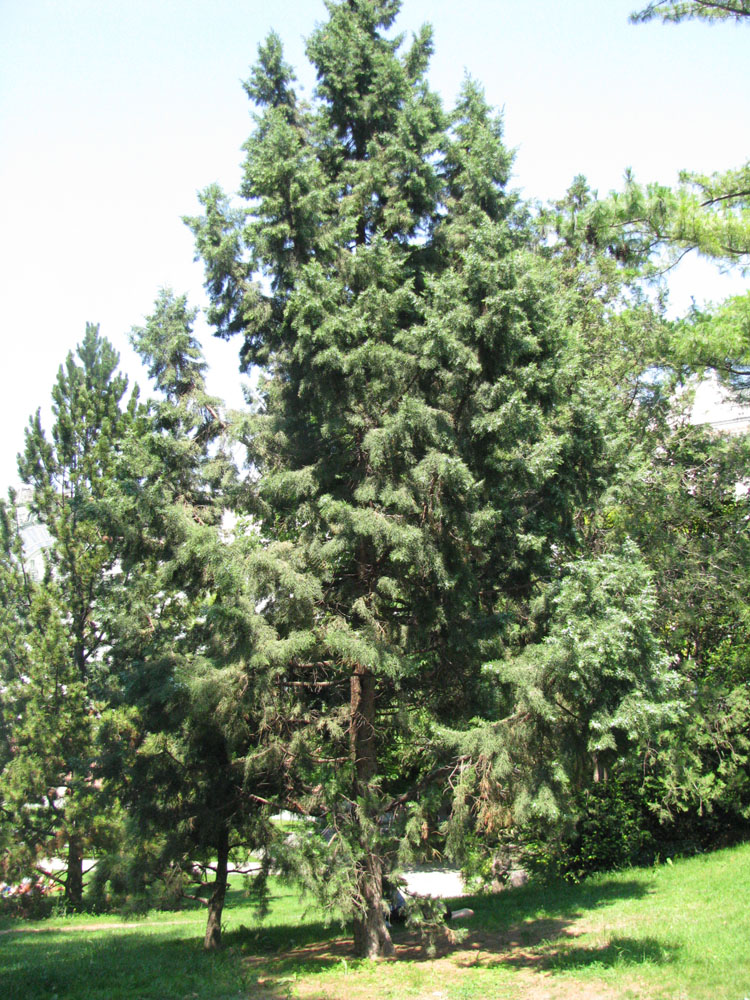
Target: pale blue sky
{"x": 114, "y": 113}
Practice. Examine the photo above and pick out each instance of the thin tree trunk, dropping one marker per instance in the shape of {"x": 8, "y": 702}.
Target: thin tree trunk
{"x": 216, "y": 903}
{"x": 74, "y": 878}
{"x": 601, "y": 771}
{"x": 371, "y": 936}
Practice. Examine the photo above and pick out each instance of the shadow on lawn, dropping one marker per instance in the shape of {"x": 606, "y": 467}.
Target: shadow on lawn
{"x": 562, "y": 953}
{"x": 528, "y": 927}
{"x": 617, "y": 951}
{"x": 536, "y": 913}
{"x": 144, "y": 962}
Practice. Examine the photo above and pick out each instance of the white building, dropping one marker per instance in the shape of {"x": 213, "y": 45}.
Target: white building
{"x": 35, "y": 537}
{"x": 716, "y": 405}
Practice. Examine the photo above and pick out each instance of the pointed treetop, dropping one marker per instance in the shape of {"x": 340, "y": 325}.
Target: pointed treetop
{"x": 86, "y": 406}
{"x": 167, "y": 345}
{"x": 477, "y": 162}
{"x": 361, "y": 78}
{"x": 271, "y": 79}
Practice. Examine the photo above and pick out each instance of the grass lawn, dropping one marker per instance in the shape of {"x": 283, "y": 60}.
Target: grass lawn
{"x": 675, "y": 931}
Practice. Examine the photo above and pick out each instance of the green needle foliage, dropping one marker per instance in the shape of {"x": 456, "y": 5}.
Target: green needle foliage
{"x": 480, "y": 581}
{"x": 16, "y": 595}
{"x": 185, "y": 741}
{"x": 405, "y": 431}
{"x": 48, "y": 782}
{"x": 689, "y": 514}
{"x": 706, "y": 213}
{"x": 684, "y": 10}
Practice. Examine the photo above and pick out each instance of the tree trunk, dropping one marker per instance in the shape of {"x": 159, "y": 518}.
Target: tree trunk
{"x": 601, "y": 771}
{"x": 216, "y": 903}
{"x": 74, "y": 878}
{"x": 371, "y": 936}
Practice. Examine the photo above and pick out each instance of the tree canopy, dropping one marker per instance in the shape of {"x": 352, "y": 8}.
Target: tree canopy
{"x": 480, "y": 586}
{"x": 417, "y": 433}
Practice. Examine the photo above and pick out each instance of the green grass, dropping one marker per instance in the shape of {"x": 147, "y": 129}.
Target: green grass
{"x": 674, "y": 932}
{"x": 160, "y": 956}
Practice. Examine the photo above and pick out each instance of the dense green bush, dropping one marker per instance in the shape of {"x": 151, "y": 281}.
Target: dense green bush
{"x": 612, "y": 831}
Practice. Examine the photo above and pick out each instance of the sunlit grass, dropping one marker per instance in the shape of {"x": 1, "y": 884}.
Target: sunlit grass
{"x": 673, "y": 932}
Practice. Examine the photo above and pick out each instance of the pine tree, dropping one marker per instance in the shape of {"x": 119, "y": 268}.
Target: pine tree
{"x": 16, "y": 590}
{"x": 194, "y": 661}
{"x": 59, "y": 695}
{"x": 708, "y": 213}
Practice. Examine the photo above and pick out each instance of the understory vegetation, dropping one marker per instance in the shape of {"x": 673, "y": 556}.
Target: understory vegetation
{"x": 659, "y": 933}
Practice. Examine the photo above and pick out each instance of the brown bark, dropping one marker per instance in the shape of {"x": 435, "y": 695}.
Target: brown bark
{"x": 74, "y": 879}
{"x": 362, "y": 729}
{"x": 212, "y": 939}
{"x": 601, "y": 771}
{"x": 371, "y": 936}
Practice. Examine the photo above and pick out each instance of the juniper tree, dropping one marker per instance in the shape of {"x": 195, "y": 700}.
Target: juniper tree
{"x": 693, "y": 536}
{"x": 423, "y": 432}
{"x": 673, "y": 490}
{"x": 405, "y": 435}
{"x": 688, "y": 512}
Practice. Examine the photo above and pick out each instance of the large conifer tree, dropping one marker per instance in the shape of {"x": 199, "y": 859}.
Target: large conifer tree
{"x": 403, "y": 428}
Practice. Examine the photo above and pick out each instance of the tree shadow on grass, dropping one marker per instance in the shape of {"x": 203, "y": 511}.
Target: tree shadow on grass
{"x": 270, "y": 940}
{"x": 618, "y": 951}
{"x": 149, "y": 960}
{"x": 143, "y": 963}
{"x": 564, "y": 953}
{"x": 533, "y": 914}
{"x": 522, "y": 927}
{"x": 529, "y": 926}
{"x": 560, "y": 901}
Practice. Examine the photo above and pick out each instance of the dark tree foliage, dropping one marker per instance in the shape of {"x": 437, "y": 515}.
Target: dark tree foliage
{"x": 482, "y": 584}
{"x": 16, "y": 593}
{"x": 405, "y": 431}
{"x": 194, "y": 661}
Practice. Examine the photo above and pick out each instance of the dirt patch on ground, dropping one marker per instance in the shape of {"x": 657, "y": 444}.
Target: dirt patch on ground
{"x": 528, "y": 949}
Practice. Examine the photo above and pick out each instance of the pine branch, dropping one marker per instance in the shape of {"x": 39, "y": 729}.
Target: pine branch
{"x": 410, "y": 793}
{"x": 198, "y": 899}
{"x": 58, "y": 879}
{"x": 725, "y": 197}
